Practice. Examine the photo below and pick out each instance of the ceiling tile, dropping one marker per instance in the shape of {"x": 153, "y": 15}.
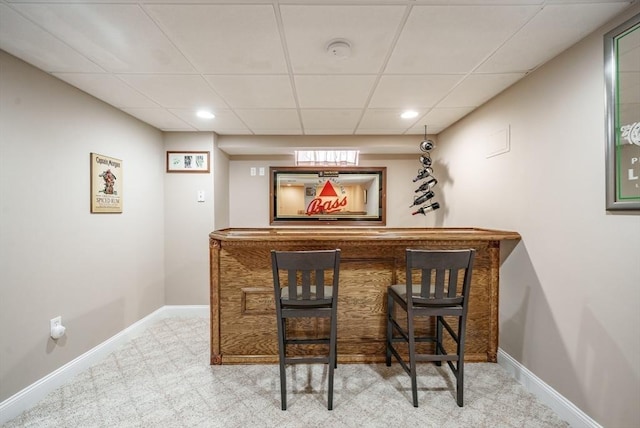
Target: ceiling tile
{"x": 262, "y": 66}
{"x": 224, "y": 38}
{"x": 224, "y": 122}
{"x": 175, "y": 90}
{"x": 160, "y": 118}
{"x": 386, "y": 121}
{"x": 536, "y": 43}
{"x": 332, "y": 91}
{"x": 443, "y": 117}
{"x": 379, "y": 131}
{"x": 454, "y": 39}
{"x": 414, "y": 91}
{"x": 266, "y": 120}
{"x": 478, "y": 89}
{"x": 369, "y": 29}
{"x": 332, "y": 121}
{"x": 328, "y": 131}
{"x": 255, "y": 91}
{"x": 108, "y": 88}
{"x": 277, "y": 131}
{"x": 118, "y": 37}
{"x": 231, "y": 131}
{"x": 25, "y": 40}
{"x": 419, "y": 130}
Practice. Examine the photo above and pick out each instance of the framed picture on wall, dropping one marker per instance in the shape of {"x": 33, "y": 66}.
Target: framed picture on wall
{"x": 106, "y": 184}
{"x": 622, "y": 75}
{"x": 195, "y": 162}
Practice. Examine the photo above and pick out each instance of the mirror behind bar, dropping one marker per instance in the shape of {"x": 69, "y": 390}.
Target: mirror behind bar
{"x": 327, "y": 196}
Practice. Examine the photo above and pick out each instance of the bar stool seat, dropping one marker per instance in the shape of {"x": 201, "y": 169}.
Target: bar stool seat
{"x": 437, "y": 287}
{"x": 299, "y": 279}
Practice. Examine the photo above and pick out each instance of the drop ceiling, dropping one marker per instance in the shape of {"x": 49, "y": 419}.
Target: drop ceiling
{"x": 263, "y": 67}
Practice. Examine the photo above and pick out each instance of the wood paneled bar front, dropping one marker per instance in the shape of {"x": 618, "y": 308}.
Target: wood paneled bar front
{"x": 243, "y": 321}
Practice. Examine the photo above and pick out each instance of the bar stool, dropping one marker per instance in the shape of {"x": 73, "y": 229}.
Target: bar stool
{"x": 441, "y": 289}
{"x": 302, "y": 293}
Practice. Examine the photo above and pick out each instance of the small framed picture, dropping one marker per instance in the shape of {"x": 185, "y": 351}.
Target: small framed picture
{"x": 188, "y": 162}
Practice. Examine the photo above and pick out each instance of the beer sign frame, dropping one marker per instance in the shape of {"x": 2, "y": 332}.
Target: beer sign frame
{"x": 327, "y": 196}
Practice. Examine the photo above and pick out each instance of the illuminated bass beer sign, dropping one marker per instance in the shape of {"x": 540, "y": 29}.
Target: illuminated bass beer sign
{"x": 327, "y": 202}
{"x": 340, "y": 195}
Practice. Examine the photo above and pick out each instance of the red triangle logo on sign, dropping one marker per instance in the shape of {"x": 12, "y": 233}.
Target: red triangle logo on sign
{"x": 328, "y": 191}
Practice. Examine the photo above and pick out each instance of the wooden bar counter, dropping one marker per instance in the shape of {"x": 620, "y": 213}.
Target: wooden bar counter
{"x": 243, "y": 321}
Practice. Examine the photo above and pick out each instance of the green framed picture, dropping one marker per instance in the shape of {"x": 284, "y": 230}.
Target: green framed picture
{"x": 622, "y": 76}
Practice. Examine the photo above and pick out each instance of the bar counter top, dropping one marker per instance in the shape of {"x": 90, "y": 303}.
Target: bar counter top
{"x": 243, "y": 320}
{"x": 369, "y": 234}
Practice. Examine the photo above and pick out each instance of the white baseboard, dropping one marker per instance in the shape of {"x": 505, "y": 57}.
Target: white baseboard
{"x": 564, "y": 408}
{"x": 31, "y": 395}
{"x": 172, "y": 311}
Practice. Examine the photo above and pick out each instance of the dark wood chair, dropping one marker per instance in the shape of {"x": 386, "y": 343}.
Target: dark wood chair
{"x": 437, "y": 288}
{"x": 306, "y": 286}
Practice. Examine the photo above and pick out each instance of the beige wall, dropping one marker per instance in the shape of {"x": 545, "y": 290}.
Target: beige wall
{"x": 188, "y": 223}
{"x": 570, "y": 291}
{"x": 249, "y": 195}
{"x": 221, "y": 188}
{"x": 100, "y": 272}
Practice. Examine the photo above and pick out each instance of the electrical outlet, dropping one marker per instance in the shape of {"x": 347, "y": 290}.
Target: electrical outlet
{"x": 55, "y": 322}
{"x": 57, "y": 329}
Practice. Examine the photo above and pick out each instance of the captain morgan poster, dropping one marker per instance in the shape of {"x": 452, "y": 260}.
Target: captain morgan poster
{"x": 106, "y": 184}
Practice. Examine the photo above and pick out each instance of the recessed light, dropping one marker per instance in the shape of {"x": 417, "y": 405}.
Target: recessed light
{"x": 409, "y": 114}
{"x": 204, "y": 114}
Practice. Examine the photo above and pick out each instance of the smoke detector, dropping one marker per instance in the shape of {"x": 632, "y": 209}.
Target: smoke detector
{"x": 339, "y": 48}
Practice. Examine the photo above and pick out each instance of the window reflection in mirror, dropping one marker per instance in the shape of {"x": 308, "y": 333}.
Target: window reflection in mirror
{"x": 328, "y": 196}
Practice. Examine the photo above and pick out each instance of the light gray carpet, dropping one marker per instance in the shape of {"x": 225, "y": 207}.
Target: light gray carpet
{"x": 163, "y": 379}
